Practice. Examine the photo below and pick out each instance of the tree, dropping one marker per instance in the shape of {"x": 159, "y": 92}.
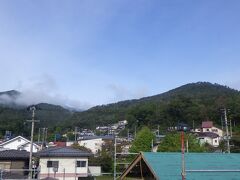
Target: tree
{"x": 82, "y": 148}
{"x": 143, "y": 141}
{"x": 172, "y": 143}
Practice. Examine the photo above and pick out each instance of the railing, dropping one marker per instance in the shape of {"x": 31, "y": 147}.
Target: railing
{"x": 19, "y": 174}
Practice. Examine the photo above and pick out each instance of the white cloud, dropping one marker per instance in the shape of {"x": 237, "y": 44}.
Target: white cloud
{"x": 42, "y": 90}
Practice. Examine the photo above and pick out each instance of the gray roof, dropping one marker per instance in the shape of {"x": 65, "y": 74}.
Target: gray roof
{"x": 14, "y": 155}
{"x": 62, "y": 152}
{"x": 96, "y": 137}
{"x": 208, "y": 134}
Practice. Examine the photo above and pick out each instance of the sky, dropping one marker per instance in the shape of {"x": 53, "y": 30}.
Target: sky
{"x": 82, "y": 53}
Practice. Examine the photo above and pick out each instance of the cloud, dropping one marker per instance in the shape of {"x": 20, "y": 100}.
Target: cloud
{"x": 42, "y": 90}
{"x": 121, "y": 93}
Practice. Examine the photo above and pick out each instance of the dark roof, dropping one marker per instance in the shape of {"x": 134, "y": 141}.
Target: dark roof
{"x": 208, "y": 134}
{"x": 62, "y": 152}
{"x": 207, "y": 124}
{"x": 14, "y": 155}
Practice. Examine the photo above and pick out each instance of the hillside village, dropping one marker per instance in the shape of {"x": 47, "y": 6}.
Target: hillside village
{"x": 81, "y": 148}
{"x": 78, "y": 158}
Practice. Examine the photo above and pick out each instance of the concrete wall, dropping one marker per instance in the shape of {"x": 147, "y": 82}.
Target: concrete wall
{"x": 67, "y": 168}
{"x": 94, "y": 144}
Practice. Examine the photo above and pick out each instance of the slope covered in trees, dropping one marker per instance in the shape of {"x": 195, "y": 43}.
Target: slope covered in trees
{"x": 192, "y": 102}
{"x": 13, "y": 116}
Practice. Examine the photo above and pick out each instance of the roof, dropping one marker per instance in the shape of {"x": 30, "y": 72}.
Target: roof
{"x": 167, "y": 166}
{"x": 62, "y": 152}
{"x": 96, "y": 137}
{"x": 14, "y": 155}
{"x": 208, "y": 134}
{"x": 15, "y": 138}
{"x": 60, "y": 144}
{"x": 207, "y": 124}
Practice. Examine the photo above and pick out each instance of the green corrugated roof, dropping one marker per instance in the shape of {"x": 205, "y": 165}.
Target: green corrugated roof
{"x": 167, "y": 166}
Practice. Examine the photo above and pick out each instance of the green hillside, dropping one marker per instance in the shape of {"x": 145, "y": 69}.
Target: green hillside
{"x": 195, "y": 101}
{"x": 191, "y": 102}
{"x": 13, "y": 116}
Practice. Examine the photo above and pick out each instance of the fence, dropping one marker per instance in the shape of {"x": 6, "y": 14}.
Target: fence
{"x": 20, "y": 174}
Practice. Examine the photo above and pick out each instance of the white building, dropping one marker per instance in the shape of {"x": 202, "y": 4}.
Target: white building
{"x": 207, "y": 126}
{"x": 94, "y": 143}
{"x": 19, "y": 143}
{"x": 208, "y": 137}
{"x": 63, "y": 163}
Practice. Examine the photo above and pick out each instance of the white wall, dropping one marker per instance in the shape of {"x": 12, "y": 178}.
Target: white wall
{"x": 67, "y": 168}
{"x": 213, "y": 142}
{"x": 17, "y": 145}
{"x": 94, "y": 144}
{"x": 214, "y": 130}
{"x": 95, "y": 170}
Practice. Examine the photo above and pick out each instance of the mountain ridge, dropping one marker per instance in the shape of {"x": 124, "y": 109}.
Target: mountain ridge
{"x": 202, "y": 98}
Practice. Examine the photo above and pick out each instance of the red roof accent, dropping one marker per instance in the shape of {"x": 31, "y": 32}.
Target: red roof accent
{"x": 207, "y": 124}
{"x": 60, "y": 144}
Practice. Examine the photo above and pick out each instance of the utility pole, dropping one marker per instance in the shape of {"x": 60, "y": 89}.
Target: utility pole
{"x": 227, "y": 133}
{"x": 222, "y": 121}
{"x": 230, "y": 121}
{"x": 183, "y": 157}
{"x": 31, "y": 147}
{"x": 115, "y": 158}
{"x": 39, "y": 131}
{"x": 75, "y": 134}
{"x": 46, "y": 133}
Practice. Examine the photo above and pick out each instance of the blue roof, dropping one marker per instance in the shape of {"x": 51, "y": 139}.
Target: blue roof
{"x": 167, "y": 166}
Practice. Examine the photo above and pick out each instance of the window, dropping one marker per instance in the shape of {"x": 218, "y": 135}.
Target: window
{"x": 81, "y": 163}
{"x": 52, "y": 164}
{"x": 207, "y": 129}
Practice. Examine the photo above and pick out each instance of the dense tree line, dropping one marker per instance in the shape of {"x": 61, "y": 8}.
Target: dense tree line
{"x": 192, "y": 102}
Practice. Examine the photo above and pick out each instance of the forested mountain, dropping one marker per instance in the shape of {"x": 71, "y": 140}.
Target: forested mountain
{"x": 13, "y": 116}
{"x": 191, "y": 102}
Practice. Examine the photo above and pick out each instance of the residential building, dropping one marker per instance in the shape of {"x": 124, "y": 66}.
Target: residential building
{"x": 13, "y": 163}
{"x": 19, "y": 143}
{"x": 209, "y": 138}
{"x": 94, "y": 143}
{"x": 63, "y": 163}
{"x": 207, "y": 126}
{"x": 168, "y": 166}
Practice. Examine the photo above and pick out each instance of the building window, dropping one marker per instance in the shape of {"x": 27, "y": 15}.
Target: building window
{"x": 215, "y": 141}
{"x": 81, "y": 163}
{"x": 52, "y": 164}
{"x": 207, "y": 129}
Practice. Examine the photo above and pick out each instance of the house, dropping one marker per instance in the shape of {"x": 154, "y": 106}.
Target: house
{"x": 13, "y": 163}
{"x": 168, "y": 166}
{"x": 207, "y": 126}
{"x": 63, "y": 163}
{"x": 208, "y": 137}
{"x": 19, "y": 143}
{"x": 94, "y": 143}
